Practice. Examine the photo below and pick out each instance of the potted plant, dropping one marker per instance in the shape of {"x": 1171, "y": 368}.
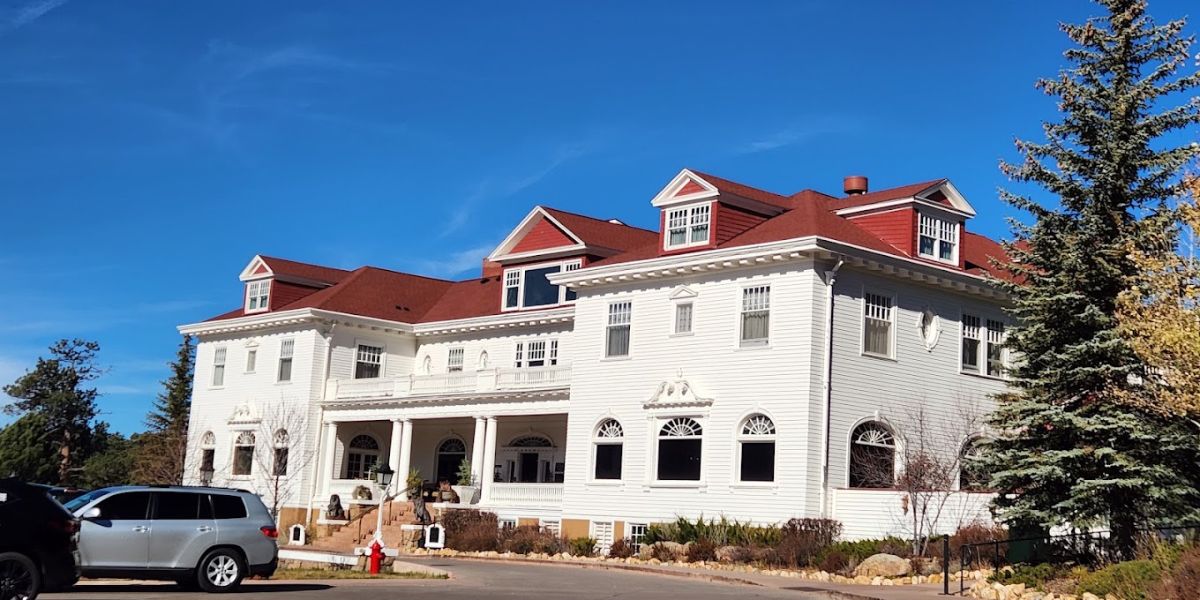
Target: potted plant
{"x": 466, "y": 488}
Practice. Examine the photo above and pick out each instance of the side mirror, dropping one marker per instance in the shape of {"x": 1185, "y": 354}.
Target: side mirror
{"x": 91, "y": 513}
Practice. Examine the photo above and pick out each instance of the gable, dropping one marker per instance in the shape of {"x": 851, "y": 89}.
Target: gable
{"x": 256, "y": 269}
{"x": 542, "y": 236}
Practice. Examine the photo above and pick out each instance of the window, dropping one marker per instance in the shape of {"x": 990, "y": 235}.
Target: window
{"x": 228, "y": 507}
{"x": 938, "y": 239}
{"x": 454, "y": 364}
{"x": 129, "y": 506}
{"x": 243, "y": 453}
{"x": 279, "y": 467}
{"x": 756, "y": 314}
{"x": 878, "y": 313}
{"x": 537, "y": 354}
{"x": 620, "y": 315}
{"x": 251, "y": 360}
{"x": 208, "y": 455}
{"x": 286, "y": 349}
{"x": 181, "y": 506}
{"x": 970, "y": 343}
{"x": 688, "y": 226}
{"x": 995, "y": 348}
{"x": 756, "y": 442}
{"x": 527, "y": 287}
{"x": 637, "y": 533}
{"x": 872, "y": 456}
{"x": 610, "y": 447}
{"x": 679, "y": 445}
{"x": 683, "y": 318}
{"x": 972, "y": 477}
{"x": 218, "y": 376}
{"x": 368, "y": 361}
{"x": 534, "y": 353}
{"x": 257, "y": 293}
{"x": 361, "y": 457}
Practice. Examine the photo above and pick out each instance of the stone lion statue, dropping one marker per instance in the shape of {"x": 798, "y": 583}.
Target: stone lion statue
{"x": 334, "y": 510}
{"x": 362, "y": 492}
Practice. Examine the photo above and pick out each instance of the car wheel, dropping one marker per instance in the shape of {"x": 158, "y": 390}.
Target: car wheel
{"x": 220, "y": 571}
{"x": 19, "y": 577}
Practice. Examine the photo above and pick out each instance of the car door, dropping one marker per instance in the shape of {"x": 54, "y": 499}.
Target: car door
{"x": 182, "y": 529}
{"x": 119, "y": 536}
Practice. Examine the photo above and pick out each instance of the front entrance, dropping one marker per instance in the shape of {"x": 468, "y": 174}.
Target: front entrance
{"x": 528, "y": 473}
{"x": 450, "y": 455}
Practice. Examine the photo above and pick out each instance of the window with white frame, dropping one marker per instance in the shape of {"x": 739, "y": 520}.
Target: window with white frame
{"x": 257, "y": 295}
{"x": 878, "y": 320}
{"x": 620, "y": 318}
{"x": 756, "y": 445}
{"x": 680, "y": 443}
{"x": 609, "y": 445}
{"x": 282, "y": 446}
{"x": 529, "y": 286}
{"x": 208, "y": 456}
{"x": 251, "y": 360}
{"x": 688, "y": 226}
{"x": 938, "y": 239}
{"x": 368, "y": 361}
{"x": 361, "y": 457}
{"x": 536, "y": 353}
{"x": 756, "y": 315}
{"x": 995, "y": 348}
{"x": 683, "y": 318}
{"x": 872, "y": 456}
{"x": 971, "y": 344}
{"x": 983, "y": 347}
{"x": 454, "y": 362}
{"x": 637, "y": 533}
{"x": 218, "y": 374}
{"x": 972, "y": 476}
{"x": 286, "y": 350}
{"x": 243, "y": 453}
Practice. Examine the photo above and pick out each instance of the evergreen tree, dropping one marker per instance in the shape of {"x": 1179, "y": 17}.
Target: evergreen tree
{"x": 1067, "y": 450}
{"x": 111, "y": 461}
{"x": 56, "y": 392}
{"x": 161, "y": 452}
{"x": 26, "y": 452}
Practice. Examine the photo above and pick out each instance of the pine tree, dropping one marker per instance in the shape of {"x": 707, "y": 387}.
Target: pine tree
{"x": 161, "y": 451}
{"x": 1067, "y": 451}
{"x": 55, "y": 390}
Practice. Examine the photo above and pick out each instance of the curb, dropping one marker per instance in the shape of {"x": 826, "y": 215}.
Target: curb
{"x": 605, "y": 566}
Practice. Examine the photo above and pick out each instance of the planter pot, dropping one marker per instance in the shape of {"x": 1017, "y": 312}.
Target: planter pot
{"x": 467, "y": 494}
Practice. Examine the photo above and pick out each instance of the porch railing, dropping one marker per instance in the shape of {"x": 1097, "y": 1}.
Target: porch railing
{"x": 444, "y": 383}
{"x": 465, "y": 382}
{"x": 547, "y": 495}
{"x": 535, "y": 377}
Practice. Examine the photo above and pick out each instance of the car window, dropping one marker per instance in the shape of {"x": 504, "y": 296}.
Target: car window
{"x": 129, "y": 506}
{"x": 175, "y": 506}
{"x": 85, "y": 499}
{"x": 228, "y": 507}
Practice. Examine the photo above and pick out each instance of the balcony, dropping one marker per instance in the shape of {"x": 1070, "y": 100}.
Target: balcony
{"x": 526, "y": 495}
{"x": 443, "y": 384}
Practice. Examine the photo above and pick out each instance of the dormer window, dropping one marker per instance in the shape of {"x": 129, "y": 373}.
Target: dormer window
{"x": 688, "y": 226}
{"x": 257, "y": 294}
{"x": 938, "y": 239}
{"x": 528, "y": 286}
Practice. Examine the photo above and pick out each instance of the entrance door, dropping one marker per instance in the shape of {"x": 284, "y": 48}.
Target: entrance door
{"x": 529, "y": 468}
{"x": 450, "y": 455}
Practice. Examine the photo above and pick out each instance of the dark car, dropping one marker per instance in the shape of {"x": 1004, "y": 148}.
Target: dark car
{"x": 38, "y": 542}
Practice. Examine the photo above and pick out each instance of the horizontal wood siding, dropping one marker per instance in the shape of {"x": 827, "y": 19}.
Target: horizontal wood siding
{"x": 867, "y": 514}
{"x": 542, "y": 236}
{"x": 731, "y": 220}
{"x": 896, "y": 227}
{"x": 284, "y": 293}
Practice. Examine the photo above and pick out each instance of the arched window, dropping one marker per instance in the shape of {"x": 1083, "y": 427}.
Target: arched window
{"x": 756, "y": 444}
{"x": 610, "y": 447}
{"x": 282, "y": 444}
{"x": 208, "y": 456}
{"x": 361, "y": 456}
{"x": 243, "y": 453}
{"x": 450, "y": 454}
{"x": 427, "y": 365}
{"x": 208, "y": 440}
{"x": 483, "y": 360}
{"x": 530, "y": 441}
{"x": 679, "y": 447}
{"x": 971, "y": 476}
{"x": 872, "y": 456}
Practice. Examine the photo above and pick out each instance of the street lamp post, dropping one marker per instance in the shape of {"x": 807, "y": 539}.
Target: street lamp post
{"x": 383, "y": 479}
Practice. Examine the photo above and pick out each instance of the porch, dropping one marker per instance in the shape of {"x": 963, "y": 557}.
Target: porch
{"x": 463, "y": 382}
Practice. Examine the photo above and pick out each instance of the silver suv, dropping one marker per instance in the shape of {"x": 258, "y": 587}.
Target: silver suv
{"x": 206, "y": 537}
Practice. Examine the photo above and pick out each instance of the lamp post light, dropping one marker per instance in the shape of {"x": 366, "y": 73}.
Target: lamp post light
{"x": 383, "y": 479}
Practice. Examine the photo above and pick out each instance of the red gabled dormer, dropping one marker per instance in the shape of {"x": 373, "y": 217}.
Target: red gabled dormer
{"x": 701, "y": 211}
{"x": 271, "y": 283}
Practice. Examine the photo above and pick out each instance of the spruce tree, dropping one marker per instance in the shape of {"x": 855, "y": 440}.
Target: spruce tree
{"x": 1067, "y": 450}
{"x": 161, "y": 451}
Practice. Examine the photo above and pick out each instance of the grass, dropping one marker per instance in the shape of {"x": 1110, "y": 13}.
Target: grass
{"x": 303, "y": 574}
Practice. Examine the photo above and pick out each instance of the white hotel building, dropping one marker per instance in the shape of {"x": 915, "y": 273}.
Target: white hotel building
{"x": 761, "y": 357}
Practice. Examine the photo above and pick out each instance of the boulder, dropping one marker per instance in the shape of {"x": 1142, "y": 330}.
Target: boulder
{"x": 884, "y": 565}
{"x": 729, "y": 554}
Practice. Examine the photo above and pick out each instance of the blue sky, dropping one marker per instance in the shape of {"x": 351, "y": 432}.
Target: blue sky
{"x": 149, "y": 149}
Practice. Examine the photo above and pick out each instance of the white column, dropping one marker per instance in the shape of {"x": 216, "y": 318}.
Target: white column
{"x": 331, "y": 471}
{"x": 489, "y": 461}
{"x": 477, "y": 450}
{"x": 394, "y": 456}
{"x": 405, "y": 460}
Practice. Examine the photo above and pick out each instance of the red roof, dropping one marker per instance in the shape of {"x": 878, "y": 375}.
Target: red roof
{"x": 407, "y": 298}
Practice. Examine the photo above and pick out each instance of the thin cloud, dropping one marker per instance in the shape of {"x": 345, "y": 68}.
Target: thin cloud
{"x": 27, "y": 14}
{"x": 796, "y": 134}
{"x": 456, "y": 263}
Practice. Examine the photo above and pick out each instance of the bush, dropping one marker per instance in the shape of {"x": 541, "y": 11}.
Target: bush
{"x": 802, "y": 540}
{"x": 834, "y": 561}
{"x": 622, "y": 548}
{"x": 1032, "y": 576}
{"x": 530, "y": 539}
{"x": 471, "y": 530}
{"x": 858, "y": 551}
{"x": 722, "y": 532}
{"x": 1182, "y": 582}
{"x": 1129, "y": 580}
{"x": 662, "y": 552}
{"x": 582, "y": 546}
{"x": 702, "y": 550}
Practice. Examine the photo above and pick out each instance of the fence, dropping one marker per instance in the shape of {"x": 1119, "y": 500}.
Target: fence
{"x": 1088, "y": 548}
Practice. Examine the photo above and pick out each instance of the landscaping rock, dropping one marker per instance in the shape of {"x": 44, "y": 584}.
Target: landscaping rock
{"x": 729, "y": 554}
{"x": 883, "y": 565}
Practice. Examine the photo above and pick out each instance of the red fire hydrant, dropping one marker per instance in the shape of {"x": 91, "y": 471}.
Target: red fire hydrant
{"x": 376, "y": 557}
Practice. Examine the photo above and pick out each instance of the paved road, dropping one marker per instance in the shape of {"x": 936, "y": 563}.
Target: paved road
{"x": 471, "y": 580}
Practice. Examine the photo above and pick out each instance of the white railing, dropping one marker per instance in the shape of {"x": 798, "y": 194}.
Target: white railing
{"x": 487, "y": 380}
{"x": 547, "y": 495}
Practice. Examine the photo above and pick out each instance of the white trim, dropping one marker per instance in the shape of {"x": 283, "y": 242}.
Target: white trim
{"x": 690, "y": 213}
{"x": 667, "y": 197}
{"x": 893, "y": 311}
{"x": 521, "y": 281}
{"x": 502, "y": 252}
{"x": 372, "y": 343}
{"x": 739, "y": 438}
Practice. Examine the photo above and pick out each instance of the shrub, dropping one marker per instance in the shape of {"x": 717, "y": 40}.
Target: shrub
{"x": 722, "y": 532}
{"x": 702, "y": 550}
{"x": 529, "y": 539}
{"x": 1182, "y": 582}
{"x": 661, "y": 551}
{"x": 582, "y": 546}
{"x": 1129, "y": 580}
{"x": 735, "y": 554}
{"x": 471, "y": 530}
{"x": 765, "y": 555}
{"x": 622, "y": 548}
{"x": 858, "y": 551}
{"x": 834, "y": 561}
{"x": 803, "y": 539}
{"x": 1032, "y": 576}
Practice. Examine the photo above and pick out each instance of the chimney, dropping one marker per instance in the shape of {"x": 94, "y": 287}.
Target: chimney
{"x": 854, "y": 185}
